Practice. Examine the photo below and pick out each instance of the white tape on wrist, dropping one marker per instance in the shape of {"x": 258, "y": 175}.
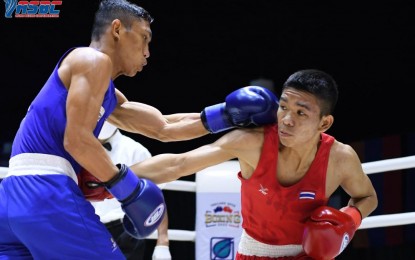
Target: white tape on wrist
{"x": 161, "y": 253}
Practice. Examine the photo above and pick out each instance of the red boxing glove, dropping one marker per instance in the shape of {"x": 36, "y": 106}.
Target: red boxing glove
{"x": 328, "y": 231}
{"x": 91, "y": 187}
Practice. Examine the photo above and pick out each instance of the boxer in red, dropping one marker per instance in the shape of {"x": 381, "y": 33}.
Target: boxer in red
{"x": 288, "y": 172}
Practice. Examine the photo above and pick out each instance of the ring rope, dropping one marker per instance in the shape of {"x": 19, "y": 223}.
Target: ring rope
{"x": 385, "y": 220}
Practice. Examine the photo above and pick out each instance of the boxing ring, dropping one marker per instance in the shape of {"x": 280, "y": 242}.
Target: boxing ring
{"x": 381, "y": 166}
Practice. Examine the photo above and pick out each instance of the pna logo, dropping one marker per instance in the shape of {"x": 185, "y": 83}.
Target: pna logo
{"x": 32, "y": 9}
{"x": 222, "y": 248}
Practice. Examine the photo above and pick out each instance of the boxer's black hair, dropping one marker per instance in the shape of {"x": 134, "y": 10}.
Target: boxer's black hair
{"x": 123, "y": 10}
{"x": 317, "y": 83}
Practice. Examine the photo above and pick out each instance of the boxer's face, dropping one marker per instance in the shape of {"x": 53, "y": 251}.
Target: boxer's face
{"x": 299, "y": 118}
{"x": 134, "y": 47}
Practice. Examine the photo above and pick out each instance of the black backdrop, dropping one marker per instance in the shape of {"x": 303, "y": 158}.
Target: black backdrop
{"x": 202, "y": 50}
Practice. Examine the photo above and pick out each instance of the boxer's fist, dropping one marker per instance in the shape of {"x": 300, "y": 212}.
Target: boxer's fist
{"x": 141, "y": 200}
{"x": 328, "y": 231}
{"x": 91, "y": 187}
{"x": 248, "y": 106}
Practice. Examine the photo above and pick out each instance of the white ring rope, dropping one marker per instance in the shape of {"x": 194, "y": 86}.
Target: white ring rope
{"x": 179, "y": 185}
{"x": 389, "y": 165}
{"x": 388, "y": 220}
{"x": 369, "y": 222}
{"x": 177, "y": 235}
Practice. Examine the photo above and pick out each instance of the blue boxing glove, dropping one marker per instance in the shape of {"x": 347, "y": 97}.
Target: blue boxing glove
{"x": 247, "y": 106}
{"x": 141, "y": 200}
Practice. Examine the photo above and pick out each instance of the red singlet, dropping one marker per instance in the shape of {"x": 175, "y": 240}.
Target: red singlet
{"x": 274, "y": 214}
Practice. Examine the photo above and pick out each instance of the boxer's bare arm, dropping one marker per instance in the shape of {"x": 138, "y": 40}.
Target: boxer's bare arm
{"x": 240, "y": 143}
{"x": 86, "y": 74}
{"x": 346, "y": 170}
{"x": 136, "y": 117}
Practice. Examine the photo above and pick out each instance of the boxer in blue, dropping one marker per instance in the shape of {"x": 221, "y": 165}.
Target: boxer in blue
{"x": 43, "y": 213}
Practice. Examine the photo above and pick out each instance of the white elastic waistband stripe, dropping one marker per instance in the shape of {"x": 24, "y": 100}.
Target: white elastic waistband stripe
{"x": 250, "y": 247}
{"x": 40, "y": 164}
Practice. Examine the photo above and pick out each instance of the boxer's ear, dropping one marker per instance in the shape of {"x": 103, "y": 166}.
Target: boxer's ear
{"x": 326, "y": 122}
{"x": 115, "y": 29}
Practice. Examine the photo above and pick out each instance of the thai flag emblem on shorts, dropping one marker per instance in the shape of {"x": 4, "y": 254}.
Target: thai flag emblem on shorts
{"x": 307, "y": 195}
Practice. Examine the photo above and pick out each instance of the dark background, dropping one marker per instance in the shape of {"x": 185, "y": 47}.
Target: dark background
{"x": 203, "y": 50}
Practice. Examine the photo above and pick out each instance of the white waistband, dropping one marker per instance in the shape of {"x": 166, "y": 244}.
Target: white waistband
{"x": 40, "y": 164}
{"x": 250, "y": 247}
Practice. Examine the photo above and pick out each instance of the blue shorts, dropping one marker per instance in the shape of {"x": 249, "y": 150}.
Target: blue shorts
{"x": 47, "y": 217}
